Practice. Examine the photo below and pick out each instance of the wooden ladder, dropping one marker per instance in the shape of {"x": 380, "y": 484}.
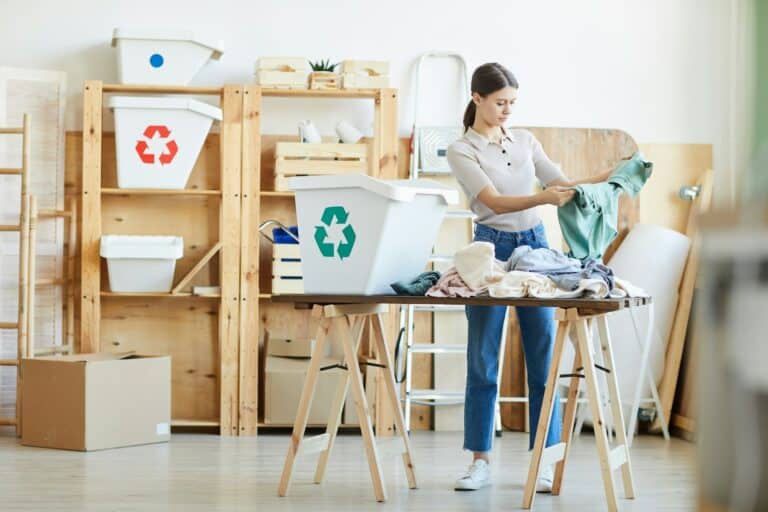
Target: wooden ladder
{"x": 24, "y": 228}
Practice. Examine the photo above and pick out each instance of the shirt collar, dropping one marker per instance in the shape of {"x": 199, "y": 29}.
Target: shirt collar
{"x": 480, "y": 141}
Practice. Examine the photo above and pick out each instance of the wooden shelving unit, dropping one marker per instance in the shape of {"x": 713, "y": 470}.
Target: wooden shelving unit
{"x": 199, "y": 332}
{"x": 264, "y": 202}
{"x": 214, "y": 341}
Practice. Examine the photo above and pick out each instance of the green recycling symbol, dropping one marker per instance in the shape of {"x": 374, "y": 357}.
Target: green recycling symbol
{"x": 327, "y": 249}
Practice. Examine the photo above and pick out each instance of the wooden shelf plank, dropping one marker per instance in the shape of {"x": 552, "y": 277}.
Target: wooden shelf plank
{"x": 158, "y": 192}
{"x": 318, "y": 93}
{"x": 194, "y": 423}
{"x": 161, "y": 89}
{"x": 265, "y": 296}
{"x": 274, "y": 193}
{"x": 158, "y": 295}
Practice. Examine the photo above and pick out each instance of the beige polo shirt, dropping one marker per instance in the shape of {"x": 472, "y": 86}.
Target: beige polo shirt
{"x": 510, "y": 167}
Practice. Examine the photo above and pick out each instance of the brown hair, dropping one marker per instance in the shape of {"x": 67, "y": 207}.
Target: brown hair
{"x": 486, "y": 80}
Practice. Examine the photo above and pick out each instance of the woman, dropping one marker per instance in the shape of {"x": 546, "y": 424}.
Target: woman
{"x": 496, "y": 167}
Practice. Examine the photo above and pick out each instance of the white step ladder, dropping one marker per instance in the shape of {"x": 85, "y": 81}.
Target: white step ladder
{"x": 428, "y": 151}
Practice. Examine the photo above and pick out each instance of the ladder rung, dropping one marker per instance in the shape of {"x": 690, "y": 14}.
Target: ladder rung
{"x": 441, "y": 258}
{"x": 51, "y": 282}
{"x": 52, "y": 349}
{"x": 435, "y": 308}
{"x": 10, "y": 227}
{"x": 9, "y": 325}
{"x": 9, "y": 362}
{"x": 52, "y": 214}
{"x": 433, "y": 394}
{"x": 7, "y": 421}
{"x": 460, "y": 214}
{"x": 10, "y": 171}
{"x": 12, "y": 131}
{"x": 437, "y": 348}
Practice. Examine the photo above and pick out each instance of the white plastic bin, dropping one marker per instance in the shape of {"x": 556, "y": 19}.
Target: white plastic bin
{"x": 359, "y": 234}
{"x": 141, "y": 263}
{"x": 159, "y": 139}
{"x": 161, "y": 58}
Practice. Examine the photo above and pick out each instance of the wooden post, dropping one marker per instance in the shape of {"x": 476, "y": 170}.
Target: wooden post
{"x": 250, "y": 185}
{"x": 21, "y": 325}
{"x": 90, "y": 264}
{"x": 70, "y": 275}
{"x": 31, "y": 273}
{"x": 229, "y": 236}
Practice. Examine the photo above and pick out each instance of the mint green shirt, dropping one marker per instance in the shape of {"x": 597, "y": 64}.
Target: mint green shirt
{"x": 589, "y": 222}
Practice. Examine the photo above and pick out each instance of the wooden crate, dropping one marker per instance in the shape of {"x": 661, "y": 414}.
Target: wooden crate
{"x": 286, "y": 269}
{"x": 364, "y": 74}
{"x": 324, "y": 80}
{"x": 302, "y": 159}
{"x": 282, "y": 72}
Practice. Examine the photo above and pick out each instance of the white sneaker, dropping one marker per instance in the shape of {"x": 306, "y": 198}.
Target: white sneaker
{"x": 478, "y": 475}
{"x": 546, "y": 477}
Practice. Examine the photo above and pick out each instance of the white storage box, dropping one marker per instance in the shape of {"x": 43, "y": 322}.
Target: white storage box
{"x": 156, "y": 58}
{"x": 141, "y": 263}
{"x": 159, "y": 139}
{"x": 360, "y": 234}
{"x": 286, "y": 269}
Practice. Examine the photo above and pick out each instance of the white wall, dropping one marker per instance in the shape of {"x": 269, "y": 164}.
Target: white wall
{"x": 654, "y": 68}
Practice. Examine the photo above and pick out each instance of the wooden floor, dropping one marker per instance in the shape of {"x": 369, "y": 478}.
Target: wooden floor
{"x": 202, "y": 472}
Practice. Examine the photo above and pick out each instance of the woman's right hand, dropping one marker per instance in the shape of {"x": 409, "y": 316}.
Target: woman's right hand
{"x": 557, "y": 195}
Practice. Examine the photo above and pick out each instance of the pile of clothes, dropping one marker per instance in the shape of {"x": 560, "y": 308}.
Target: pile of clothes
{"x": 541, "y": 273}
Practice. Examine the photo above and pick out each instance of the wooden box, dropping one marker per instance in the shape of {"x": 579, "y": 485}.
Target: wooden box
{"x": 282, "y": 72}
{"x": 364, "y": 74}
{"x": 286, "y": 269}
{"x": 324, "y": 80}
{"x": 302, "y": 159}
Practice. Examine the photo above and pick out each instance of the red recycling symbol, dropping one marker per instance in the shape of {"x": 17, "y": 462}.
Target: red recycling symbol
{"x": 166, "y": 156}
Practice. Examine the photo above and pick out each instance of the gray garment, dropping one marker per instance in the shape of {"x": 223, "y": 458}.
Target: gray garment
{"x": 542, "y": 261}
{"x": 565, "y": 271}
{"x": 592, "y": 269}
{"x": 511, "y": 167}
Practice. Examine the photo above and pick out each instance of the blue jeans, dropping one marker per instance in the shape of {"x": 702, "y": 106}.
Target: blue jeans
{"x": 537, "y": 326}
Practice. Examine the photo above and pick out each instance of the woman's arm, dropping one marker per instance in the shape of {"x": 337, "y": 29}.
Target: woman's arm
{"x": 599, "y": 178}
{"x": 498, "y": 203}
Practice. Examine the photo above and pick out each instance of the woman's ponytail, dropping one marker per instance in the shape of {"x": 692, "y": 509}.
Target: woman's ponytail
{"x": 469, "y": 115}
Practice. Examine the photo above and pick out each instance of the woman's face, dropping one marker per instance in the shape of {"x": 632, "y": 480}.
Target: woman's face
{"x": 495, "y": 108}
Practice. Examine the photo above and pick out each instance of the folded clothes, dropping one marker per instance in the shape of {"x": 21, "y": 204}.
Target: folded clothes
{"x": 478, "y": 266}
{"x": 417, "y": 286}
{"x": 591, "y": 269}
{"x": 451, "y": 285}
{"x": 542, "y": 260}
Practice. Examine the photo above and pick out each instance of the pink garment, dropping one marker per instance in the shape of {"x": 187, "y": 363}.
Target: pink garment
{"x": 451, "y": 285}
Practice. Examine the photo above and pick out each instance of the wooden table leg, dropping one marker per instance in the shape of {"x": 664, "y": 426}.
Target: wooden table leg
{"x": 568, "y": 420}
{"x": 539, "y": 454}
{"x": 593, "y": 394}
{"x": 394, "y": 400}
{"x": 337, "y": 406}
{"x": 619, "y": 456}
{"x": 302, "y": 414}
{"x": 363, "y": 412}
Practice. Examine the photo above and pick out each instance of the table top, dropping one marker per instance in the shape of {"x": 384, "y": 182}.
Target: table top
{"x": 596, "y": 305}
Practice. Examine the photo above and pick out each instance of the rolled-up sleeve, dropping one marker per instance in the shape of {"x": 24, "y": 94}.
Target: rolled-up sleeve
{"x": 467, "y": 170}
{"x": 546, "y": 170}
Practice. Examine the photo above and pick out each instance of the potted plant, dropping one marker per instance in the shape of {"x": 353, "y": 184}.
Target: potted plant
{"x": 323, "y": 75}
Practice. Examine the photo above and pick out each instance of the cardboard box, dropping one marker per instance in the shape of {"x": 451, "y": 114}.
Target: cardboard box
{"x": 283, "y": 383}
{"x": 284, "y": 347}
{"x": 95, "y": 401}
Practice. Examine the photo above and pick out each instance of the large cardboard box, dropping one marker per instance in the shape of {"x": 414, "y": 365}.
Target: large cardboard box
{"x": 95, "y": 401}
{"x": 283, "y": 383}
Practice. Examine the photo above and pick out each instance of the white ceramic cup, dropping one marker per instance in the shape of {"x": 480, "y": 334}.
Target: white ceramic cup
{"x": 308, "y": 132}
{"x": 348, "y": 133}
